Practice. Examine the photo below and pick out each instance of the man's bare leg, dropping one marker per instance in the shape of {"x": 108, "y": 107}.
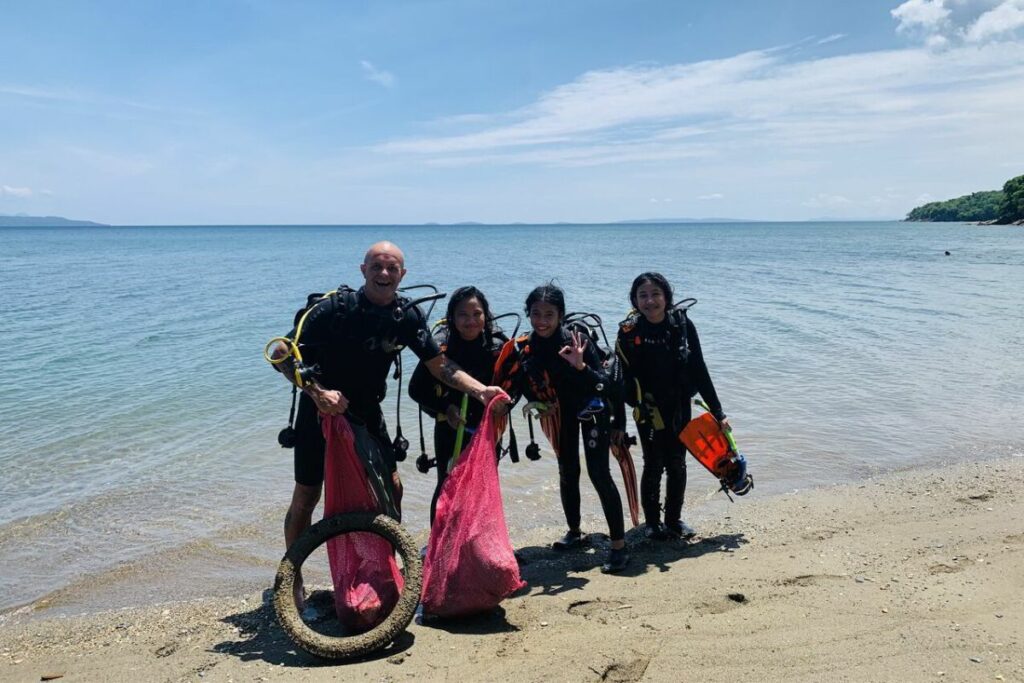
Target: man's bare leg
{"x": 397, "y": 489}
{"x": 298, "y": 518}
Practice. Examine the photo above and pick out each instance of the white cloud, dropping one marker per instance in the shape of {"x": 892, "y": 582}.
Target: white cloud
{"x": 767, "y": 99}
{"x": 1002, "y": 20}
{"x": 714, "y": 195}
{"x": 77, "y": 97}
{"x": 378, "y": 76}
{"x": 39, "y": 93}
{"x": 600, "y": 100}
{"x": 939, "y": 23}
{"x": 9, "y": 191}
{"x": 577, "y": 156}
{"x": 831, "y": 39}
{"x": 929, "y": 15}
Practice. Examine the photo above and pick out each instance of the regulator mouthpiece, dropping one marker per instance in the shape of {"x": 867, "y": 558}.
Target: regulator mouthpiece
{"x": 306, "y": 373}
{"x": 423, "y": 463}
{"x": 286, "y": 437}
{"x": 533, "y": 451}
{"x": 401, "y": 448}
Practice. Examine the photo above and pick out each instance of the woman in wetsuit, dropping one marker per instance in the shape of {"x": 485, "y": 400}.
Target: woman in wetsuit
{"x": 561, "y": 371}
{"x": 663, "y": 368}
{"x": 467, "y": 336}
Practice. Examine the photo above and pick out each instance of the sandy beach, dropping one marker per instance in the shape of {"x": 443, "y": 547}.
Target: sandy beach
{"x": 909, "y": 576}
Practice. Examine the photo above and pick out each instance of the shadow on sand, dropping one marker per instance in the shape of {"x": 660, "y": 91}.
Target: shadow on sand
{"x": 546, "y": 571}
{"x": 260, "y": 637}
{"x": 553, "y": 572}
{"x": 494, "y": 621}
{"x": 648, "y": 555}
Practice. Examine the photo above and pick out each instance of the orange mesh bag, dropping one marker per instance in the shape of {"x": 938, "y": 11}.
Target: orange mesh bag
{"x": 470, "y": 566}
{"x": 367, "y": 583}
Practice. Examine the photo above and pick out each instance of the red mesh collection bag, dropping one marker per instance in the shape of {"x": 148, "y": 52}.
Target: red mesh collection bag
{"x": 366, "y": 579}
{"x": 470, "y": 565}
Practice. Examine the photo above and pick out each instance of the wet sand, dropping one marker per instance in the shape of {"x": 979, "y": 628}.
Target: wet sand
{"x": 910, "y": 576}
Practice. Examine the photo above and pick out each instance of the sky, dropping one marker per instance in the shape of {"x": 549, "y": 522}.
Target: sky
{"x": 253, "y": 112}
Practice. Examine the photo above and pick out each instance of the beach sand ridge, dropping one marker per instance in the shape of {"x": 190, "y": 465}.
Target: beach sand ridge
{"x": 909, "y": 576}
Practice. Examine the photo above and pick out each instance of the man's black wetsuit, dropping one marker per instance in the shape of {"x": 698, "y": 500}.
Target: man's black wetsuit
{"x": 354, "y": 342}
{"x": 476, "y": 358}
{"x": 532, "y": 368}
{"x": 651, "y": 358}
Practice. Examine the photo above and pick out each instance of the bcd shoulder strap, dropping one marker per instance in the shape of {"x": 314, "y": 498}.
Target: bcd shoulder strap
{"x": 343, "y": 299}
{"x": 630, "y": 322}
{"x": 679, "y": 327}
{"x": 441, "y": 338}
{"x": 346, "y": 300}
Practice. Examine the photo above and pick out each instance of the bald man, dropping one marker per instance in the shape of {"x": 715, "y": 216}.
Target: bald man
{"x": 354, "y": 338}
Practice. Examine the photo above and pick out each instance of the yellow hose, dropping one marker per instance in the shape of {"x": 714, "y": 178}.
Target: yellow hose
{"x": 293, "y": 344}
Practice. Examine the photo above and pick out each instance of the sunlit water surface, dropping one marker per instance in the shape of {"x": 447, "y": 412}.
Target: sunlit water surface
{"x": 138, "y": 420}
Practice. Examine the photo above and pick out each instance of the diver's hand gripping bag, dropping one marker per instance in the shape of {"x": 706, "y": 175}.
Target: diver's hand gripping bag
{"x": 367, "y": 583}
{"x": 470, "y": 566}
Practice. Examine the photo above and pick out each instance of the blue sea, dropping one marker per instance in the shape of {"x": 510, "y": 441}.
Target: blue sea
{"x": 138, "y": 419}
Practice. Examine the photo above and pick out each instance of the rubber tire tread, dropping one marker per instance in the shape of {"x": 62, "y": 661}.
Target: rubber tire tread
{"x": 348, "y": 647}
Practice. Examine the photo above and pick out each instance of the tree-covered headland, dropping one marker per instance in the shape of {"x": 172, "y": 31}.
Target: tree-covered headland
{"x": 998, "y": 206}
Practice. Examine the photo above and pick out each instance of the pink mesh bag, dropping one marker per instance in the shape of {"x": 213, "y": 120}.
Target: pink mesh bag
{"x": 470, "y": 565}
{"x": 366, "y": 579}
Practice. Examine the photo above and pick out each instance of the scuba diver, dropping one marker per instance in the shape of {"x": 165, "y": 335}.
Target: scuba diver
{"x": 663, "y": 367}
{"x": 339, "y": 355}
{"x": 469, "y": 337}
{"x": 561, "y": 374}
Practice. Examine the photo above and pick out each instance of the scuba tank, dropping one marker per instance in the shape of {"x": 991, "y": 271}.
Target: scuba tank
{"x": 645, "y": 408}
{"x": 303, "y": 372}
{"x": 425, "y": 463}
{"x": 590, "y": 326}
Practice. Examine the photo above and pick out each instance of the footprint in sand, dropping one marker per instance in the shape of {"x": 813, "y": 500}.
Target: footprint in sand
{"x": 810, "y": 579}
{"x": 975, "y": 498}
{"x": 592, "y": 608}
{"x": 820, "y": 534}
{"x": 626, "y": 672}
{"x": 722, "y": 604}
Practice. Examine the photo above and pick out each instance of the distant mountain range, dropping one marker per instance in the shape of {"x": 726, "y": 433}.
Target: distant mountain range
{"x": 23, "y": 221}
{"x": 686, "y": 220}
